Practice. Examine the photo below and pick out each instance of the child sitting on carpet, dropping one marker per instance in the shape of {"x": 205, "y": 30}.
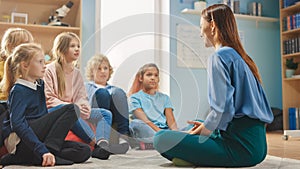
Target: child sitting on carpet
{"x": 152, "y": 110}
{"x": 31, "y": 135}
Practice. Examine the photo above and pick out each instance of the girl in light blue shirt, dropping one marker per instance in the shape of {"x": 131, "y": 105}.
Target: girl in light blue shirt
{"x": 151, "y": 110}
{"x": 233, "y": 134}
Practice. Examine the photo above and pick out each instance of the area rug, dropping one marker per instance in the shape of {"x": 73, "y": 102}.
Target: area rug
{"x": 150, "y": 159}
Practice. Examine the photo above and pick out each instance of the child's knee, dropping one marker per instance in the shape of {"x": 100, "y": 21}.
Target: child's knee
{"x": 106, "y": 113}
{"x": 159, "y": 138}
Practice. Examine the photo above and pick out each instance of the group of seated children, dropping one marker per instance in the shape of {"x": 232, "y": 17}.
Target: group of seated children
{"x": 47, "y": 103}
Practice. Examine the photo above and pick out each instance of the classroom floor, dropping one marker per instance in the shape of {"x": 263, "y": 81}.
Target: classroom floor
{"x": 283, "y": 148}
{"x": 281, "y": 154}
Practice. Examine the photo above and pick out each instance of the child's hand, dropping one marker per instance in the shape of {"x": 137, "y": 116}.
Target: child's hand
{"x": 48, "y": 160}
{"x": 84, "y": 111}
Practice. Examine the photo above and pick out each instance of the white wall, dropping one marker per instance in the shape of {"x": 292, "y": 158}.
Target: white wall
{"x": 127, "y": 29}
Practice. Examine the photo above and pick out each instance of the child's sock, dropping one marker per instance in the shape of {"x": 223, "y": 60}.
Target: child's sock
{"x": 122, "y": 140}
{"x": 181, "y": 163}
{"x": 102, "y": 143}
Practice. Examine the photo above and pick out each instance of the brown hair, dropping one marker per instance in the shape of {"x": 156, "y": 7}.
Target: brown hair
{"x": 227, "y": 32}
{"x": 12, "y": 38}
{"x": 60, "y": 48}
{"x": 137, "y": 84}
{"x": 94, "y": 63}
{"x": 12, "y": 69}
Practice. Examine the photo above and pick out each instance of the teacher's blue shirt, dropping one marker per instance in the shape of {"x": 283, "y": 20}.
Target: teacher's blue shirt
{"x": 233, "y": 91}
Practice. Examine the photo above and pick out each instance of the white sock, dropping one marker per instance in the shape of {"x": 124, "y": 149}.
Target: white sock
{"x": 121, "y": 140}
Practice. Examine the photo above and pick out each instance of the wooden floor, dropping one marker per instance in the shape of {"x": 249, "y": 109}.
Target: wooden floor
{"x": 283, "y": 148}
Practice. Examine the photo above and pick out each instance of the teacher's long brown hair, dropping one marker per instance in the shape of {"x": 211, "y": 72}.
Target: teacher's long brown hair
{"x": 227, "y": 32}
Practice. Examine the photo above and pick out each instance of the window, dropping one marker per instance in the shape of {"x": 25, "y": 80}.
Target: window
{"x": 130, "y": 34}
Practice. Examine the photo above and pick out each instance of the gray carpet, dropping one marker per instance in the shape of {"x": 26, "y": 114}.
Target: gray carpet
{"x": 150, "y": 159}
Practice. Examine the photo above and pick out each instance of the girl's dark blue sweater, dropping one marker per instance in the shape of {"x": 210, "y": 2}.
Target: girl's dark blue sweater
{"x": 25, "y": 104}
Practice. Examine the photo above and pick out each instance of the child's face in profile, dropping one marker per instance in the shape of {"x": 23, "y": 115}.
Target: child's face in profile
{"x": 73, "y": 51}
{"x": 150, "y": 78}
{"x": 101, "y": 73}
{"x": 36, "y": 68}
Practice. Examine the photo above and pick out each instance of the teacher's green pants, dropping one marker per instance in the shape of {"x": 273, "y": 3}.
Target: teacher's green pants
{"x": 243, "y": 144}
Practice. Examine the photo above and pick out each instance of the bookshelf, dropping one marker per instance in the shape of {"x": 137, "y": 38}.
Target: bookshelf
{"x": 290, "y": 48}
{"x": 38, "y": 12}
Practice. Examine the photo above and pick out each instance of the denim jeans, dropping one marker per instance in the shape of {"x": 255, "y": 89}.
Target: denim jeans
{"x": 141, "y": 131}
{"x": 117, "y": 103}
{"x": 100, "y": 117}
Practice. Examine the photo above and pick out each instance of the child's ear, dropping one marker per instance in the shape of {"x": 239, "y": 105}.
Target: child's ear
{"x": 24, "y": 65}
{"x": 140, "y": 79}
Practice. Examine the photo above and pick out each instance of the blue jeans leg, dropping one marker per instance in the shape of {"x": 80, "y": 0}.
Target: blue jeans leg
{"x": 141, "y": 131}
{"x": 83, "y": 130}
{"x": 102, "y": 99}
{"x": 80, "y": 128}
{"x": 117, "y": 104}
{"x": 119, "y": 109}
{"x": 103, "y": 119}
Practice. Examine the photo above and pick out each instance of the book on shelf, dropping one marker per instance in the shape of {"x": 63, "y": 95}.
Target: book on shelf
{"x": 287, "y": 3}
{"x": 294, "y": 120}
{"x": 291, "y": 45}
{"x": 291, "y": 22}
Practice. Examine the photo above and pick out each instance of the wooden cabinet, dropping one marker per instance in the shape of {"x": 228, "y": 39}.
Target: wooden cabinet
{"x": 290, "y": 44}
{"x": 38, "y": 12}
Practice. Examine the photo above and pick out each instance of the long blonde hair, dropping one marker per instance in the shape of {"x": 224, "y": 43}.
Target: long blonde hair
{"x": 94, "y": 63}
{"x": 12, "y": 69}
{"x": 12, "y": 38}
{"x": 60, "y": 48}
{"x": 228, "y": 33}
{"x": 137, "y": 85}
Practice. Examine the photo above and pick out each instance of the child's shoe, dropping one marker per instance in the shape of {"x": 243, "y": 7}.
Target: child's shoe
{"x": 119, "y": 148}
{"x": 101, "y": 150}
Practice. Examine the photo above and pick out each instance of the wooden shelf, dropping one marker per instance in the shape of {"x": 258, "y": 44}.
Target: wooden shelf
{"x": 292, "y": 79}
{"x": 291, "y": 55}
{"x": 191, "y": 11}
{"x": 290, "y": 86}
{"x": 44, "y": 2}
{"x": 292, "y": 32}
{"x": 256, "y": 18}
{"x": 44, "y": 28}
{"x": 237, "y": 16}
{"x": 38, "y": 15}
{"x": 290, "y": 10}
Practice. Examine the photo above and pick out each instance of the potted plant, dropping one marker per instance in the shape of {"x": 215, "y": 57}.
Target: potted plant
{"x": 291, "y": 66}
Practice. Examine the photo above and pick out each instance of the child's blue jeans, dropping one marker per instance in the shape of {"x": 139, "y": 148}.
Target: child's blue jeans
{"x": 102, "y": 118}
{"x": 116, "y": 102}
